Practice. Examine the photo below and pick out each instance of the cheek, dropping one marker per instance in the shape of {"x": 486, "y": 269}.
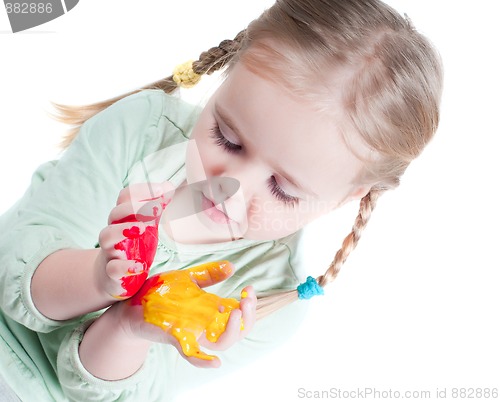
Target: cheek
{"x": 270, "y": 220}
{"x": 201, "y": 157}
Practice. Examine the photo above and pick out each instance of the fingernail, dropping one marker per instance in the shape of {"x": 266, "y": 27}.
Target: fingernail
{"x": 137, "y": 268}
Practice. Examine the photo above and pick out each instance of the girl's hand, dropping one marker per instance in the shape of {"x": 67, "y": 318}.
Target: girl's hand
{"x": 128, "y": 244}
{"x": 240, "y": 322}
{"x": 173, "y": 308}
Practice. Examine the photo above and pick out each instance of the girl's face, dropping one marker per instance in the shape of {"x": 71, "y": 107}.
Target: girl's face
{"x": 292, "y": 166}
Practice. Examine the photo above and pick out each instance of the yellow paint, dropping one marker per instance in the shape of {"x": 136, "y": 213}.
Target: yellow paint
{"x": 177, "y": 304}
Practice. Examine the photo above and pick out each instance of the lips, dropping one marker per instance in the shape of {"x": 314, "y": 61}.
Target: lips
{"x": 215, "y": 214}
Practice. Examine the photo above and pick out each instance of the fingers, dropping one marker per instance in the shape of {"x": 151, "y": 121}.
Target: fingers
{"x": 127, "y": 277}
{"x": 209, "y": 274}
{"x": 118, "y": 273}
{"x": 248, "y": 307}
{"x": 232, "y": 333}
{"x": 110, "y": 236}
{"x": 201, "y": 359}
{"x": 141, "y": 202}
{"x": 239, "y": 324}
{"x": 128, "y": 244}
{"x": 118, "y": 269}
{"x": 143, "y": 211}
{"x": 145, "y": 192}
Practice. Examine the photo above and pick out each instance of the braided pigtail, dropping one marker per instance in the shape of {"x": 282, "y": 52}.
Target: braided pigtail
{"x": 186, "y": 75}
{"x": 269, "y": 303}
{"x": 218, "y": 57}
{"x": 366, "y": 207}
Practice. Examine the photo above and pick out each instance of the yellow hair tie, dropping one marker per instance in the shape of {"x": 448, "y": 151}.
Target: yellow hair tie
{"x": 185, "y": 76}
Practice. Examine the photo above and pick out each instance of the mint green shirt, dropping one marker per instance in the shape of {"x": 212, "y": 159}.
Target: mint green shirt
{"x": 140, "y": 138}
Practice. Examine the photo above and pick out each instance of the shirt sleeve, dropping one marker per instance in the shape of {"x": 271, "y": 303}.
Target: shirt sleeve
{"x": 80, "y": 385}
{"x": 69, "y": 200}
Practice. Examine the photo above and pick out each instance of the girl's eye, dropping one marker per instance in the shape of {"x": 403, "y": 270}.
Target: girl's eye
{"x": 223, "y": 142}
{"x": 278, "y": 192}
{"x": 273, "y": 185}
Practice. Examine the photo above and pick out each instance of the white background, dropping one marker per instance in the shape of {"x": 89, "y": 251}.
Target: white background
{"x": 416, "y": 306}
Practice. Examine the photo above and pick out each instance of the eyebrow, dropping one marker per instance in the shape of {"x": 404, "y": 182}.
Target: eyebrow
{"x": 230, "y": 123}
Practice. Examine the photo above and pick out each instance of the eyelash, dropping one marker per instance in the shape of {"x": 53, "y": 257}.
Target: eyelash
{"x": 232, "y": 148}
{"x": 278, "y": 192}
{"x": 223, "y": 142}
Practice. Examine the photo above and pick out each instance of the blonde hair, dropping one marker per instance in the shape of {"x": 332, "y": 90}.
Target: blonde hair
{"x": 388, "y": 77}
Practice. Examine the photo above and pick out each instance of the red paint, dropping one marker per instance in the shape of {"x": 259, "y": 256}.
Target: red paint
{"x": 139, "y": 247}
{"x": 133, "y": 283}
{"x": 154, "y": 281}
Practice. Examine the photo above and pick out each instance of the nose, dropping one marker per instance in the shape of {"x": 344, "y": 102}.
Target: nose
{"x": 223, "y": 188}
{"x": 251, "y": 177}
{"x": 237, "y": 185}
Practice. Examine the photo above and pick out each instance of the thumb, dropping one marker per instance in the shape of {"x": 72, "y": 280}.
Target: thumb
{"x": 210, "y": 273}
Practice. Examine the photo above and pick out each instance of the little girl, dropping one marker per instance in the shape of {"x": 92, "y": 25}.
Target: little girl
{"x": 324, "y": 102}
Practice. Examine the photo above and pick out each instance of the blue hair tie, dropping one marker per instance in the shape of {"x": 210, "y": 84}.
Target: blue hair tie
{"x": 309, "y": 289}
